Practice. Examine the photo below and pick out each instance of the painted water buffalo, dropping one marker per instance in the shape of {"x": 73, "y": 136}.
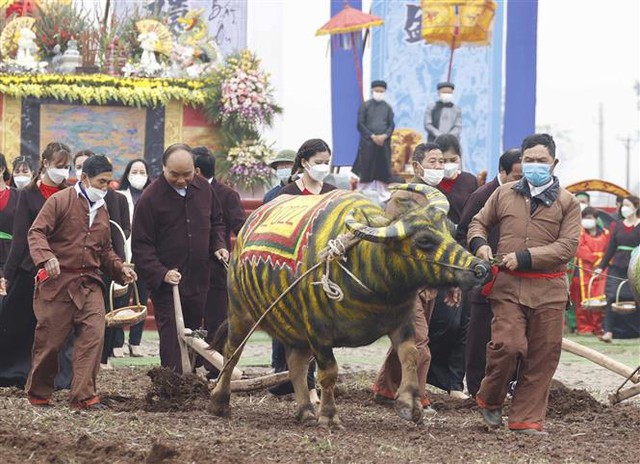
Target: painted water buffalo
{"x": 378, "y": 281}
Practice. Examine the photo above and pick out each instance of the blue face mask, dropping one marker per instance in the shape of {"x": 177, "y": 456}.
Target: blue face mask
{"x": 537, "y": 174}
{"x": 283, "y": 174}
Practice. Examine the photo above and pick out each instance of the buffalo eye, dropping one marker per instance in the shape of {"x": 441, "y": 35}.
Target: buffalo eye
{"x": 426, "y": 244}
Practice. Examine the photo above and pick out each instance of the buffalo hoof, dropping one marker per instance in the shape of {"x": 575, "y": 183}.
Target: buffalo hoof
{"x": 326, "y": 422}
{"x": 409, "y": 412}
{"x": 307, "y": 415}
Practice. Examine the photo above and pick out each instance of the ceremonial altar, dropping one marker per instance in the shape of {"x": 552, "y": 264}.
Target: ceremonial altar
{"x": 124, "y": 118}
{"x": 130, "y": 86}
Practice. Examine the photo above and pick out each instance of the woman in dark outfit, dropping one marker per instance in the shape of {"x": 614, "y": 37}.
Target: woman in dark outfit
{"x": 312, "y": 160}
{"x": 625, "y": 236}
{"x": 22, "y": 172}
{"x": 448, "y": 327}
{"x": 17, "y": 321}
{"x": 8, "y": 202}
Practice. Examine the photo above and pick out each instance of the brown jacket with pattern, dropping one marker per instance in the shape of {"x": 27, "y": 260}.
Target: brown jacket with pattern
{"x": 61, "y": 230}
{"x": 548, "y": 237}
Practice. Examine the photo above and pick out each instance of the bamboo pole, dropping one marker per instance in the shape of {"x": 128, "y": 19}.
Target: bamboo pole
{"x": 600, "y": 359}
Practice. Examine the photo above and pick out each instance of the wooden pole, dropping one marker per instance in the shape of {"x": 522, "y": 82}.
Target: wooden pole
{"x": 622, "y": 395}
{"x": 256, "y": 383}
{"x": 203, "y": 349}
{"x": 600, "y": 359}
{"x": 184, "y": 352}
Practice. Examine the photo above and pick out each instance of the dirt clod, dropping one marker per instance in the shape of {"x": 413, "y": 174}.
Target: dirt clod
{"x": 160, "y": 453}
{"x": 172, "y": 392}
{"x": 565, "y": 401}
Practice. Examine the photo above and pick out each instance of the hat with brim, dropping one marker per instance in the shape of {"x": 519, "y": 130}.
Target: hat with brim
{"x": 443, "y": 85}
{"x": 283, "y": 156}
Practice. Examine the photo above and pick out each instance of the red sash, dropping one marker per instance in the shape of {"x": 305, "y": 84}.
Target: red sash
{"x": 527, "y": 275}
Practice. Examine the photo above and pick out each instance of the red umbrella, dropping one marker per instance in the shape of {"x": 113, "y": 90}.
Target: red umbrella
{"x": 345, "y": 28}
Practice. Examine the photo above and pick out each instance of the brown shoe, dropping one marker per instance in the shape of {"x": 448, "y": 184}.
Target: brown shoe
{"x": 39, "y": 402}
{"x": 384, "y": 400}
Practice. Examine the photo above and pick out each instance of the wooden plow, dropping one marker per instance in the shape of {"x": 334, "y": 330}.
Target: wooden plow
{"x": 629, "y": 374}
{"x": 192, "y": 343}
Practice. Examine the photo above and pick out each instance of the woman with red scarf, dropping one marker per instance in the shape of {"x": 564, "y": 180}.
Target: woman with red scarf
{"x": 593, "y": 244}
{"x": 17, "y": 321}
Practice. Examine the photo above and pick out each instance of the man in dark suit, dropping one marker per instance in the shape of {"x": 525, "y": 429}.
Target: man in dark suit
{"x": 479, "y": 332}
{"x": 177, "y": 230}
{"x": 233, "y": 215}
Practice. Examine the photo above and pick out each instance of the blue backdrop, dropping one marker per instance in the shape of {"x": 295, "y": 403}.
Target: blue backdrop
{"x": 345, "y": 97}
{"x": 412, "y": 68}
{"x": 520, "y": 89}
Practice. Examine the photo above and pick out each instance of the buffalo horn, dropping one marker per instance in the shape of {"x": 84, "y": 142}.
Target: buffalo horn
{"x": 396, "y": 231}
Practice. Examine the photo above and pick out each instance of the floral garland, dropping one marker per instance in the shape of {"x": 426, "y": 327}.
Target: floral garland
{"x": 101, "y": 89}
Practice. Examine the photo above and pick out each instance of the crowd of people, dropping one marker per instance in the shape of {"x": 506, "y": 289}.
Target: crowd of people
{"x": 63, "y": 242}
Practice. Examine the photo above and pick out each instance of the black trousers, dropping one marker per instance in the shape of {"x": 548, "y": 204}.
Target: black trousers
{"x": 192, "y": 311}
{"x": 447, "y": 343}
{"x": 17, "y": 329}
{"x": 279, "y": 363}
{"x": 478, "y": 335}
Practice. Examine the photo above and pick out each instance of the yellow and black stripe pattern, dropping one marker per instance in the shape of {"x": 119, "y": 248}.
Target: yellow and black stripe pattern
{"x": 393, "y": 261}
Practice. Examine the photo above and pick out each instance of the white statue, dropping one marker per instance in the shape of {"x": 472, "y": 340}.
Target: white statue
{"x": 27, "y": 48}
{"x": 71, "y": 58}
{"x": 148, "y": 43}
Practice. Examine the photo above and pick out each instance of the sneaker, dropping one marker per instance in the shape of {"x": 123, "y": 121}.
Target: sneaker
{"x": 118, "y": 352}
{"x": 106, "y": 366}
{"x": 458, "y": 395}
{"x": 135, "y": 351}
{"x": 492, "y": 418}
{"x": 606, "y": 337}
{"x": 531, "y": 432}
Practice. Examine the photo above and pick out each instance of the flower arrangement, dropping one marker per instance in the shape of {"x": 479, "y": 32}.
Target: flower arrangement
{"x": 57, "y": 25}
{"x": 245, "y": 166}
{"x": 245, "y": 98}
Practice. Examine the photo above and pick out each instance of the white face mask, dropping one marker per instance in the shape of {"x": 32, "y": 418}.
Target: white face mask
{"x": 58, "y": 175}
{"x": 583, "y": 206}
{"x": 446, "y": 97}
{"x": 589, "y": 223}
{"x": 78, "y": 173}
{"x": 95, "y": 194}
{"x": 377, "y": 96}
{"x": 21, "y": 181}
{"x": 451, "y": 169}
{"x": 318, "y": 171}
{"x": 432, "y": 176}
{"x": 283, "y": 174}
{"x": 137, "y": 181}
{"x": 626, "y": 211}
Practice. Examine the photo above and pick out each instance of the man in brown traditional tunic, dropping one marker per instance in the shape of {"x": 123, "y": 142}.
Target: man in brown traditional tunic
{"x": 70, "y": 241}
{"x": 177, "y": 229}
{"x": 539, "y": 226}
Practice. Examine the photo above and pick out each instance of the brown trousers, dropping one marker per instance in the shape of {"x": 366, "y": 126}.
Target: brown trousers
{"x": 390, "y": 375}
{"x": 192, "y": 312}
{"x": 56, "y": 319}
{"x": 535, "y": 337}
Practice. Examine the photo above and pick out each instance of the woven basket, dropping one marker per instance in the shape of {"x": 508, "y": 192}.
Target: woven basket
{"x": 597, "y": 303}
{"x": 127, "y": 315}
{"x": 623, "y": 307}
